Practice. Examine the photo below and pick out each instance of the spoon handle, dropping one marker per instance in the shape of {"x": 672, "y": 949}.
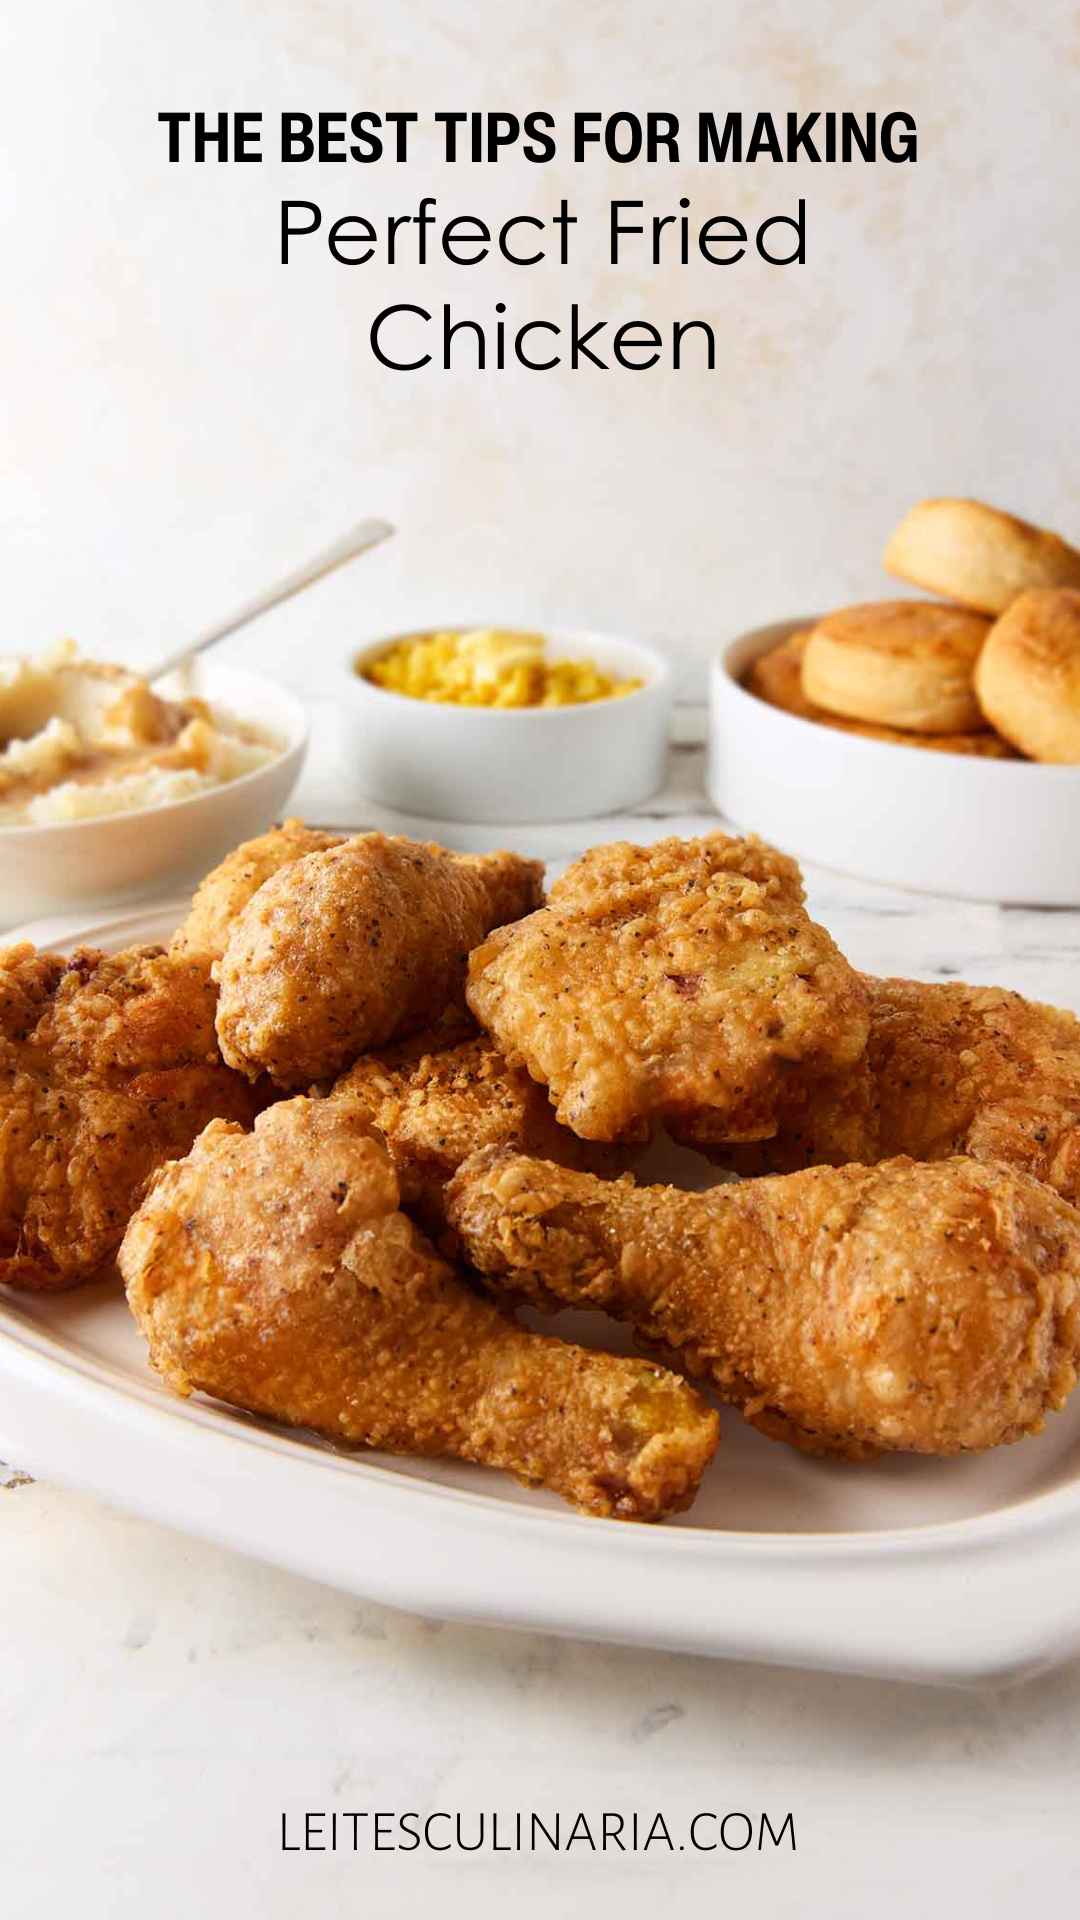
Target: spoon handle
{"x": 359, "y": 539}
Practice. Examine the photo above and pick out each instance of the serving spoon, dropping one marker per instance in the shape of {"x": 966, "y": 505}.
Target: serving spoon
{"x": 360, "y": 539}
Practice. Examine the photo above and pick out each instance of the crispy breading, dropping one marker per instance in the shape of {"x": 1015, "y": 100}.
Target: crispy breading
{"x": 225, "y": 891}
{"x": 447, "y": 1092}
{"x": 680, "y": 984}
{"x": 347, "y": 949}
{"x": 108, "y": 1065}
{"x": 907, "y": 1307}
{"x": 948, "y": 1069}
{"x": 275, "y": 1271}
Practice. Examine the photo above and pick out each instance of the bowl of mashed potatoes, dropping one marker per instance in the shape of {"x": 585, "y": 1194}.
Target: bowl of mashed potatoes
{"x": 498, "y": 725}
{"x": 111, "y": 789}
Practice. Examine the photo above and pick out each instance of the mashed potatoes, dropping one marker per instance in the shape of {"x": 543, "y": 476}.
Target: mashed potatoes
{"x": 488, "y": 668}
{"x": 79, "y": 739}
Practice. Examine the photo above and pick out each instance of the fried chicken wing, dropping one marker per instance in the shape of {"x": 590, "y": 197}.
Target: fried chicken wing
{"x": 444, "y": 1094}
{"x": 226, "y": 891}
{"x": 681, "y": 984}
{"x": 349, "y": 948}
{"x": 109, "y": 1065}
{"x": 911, "y": 1307}
{"x": 948, "y": 1069}
{"x": 274, "y": 1270}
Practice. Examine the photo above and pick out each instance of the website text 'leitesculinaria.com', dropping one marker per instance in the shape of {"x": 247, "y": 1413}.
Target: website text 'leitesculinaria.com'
{"x": 502, "y": 1831}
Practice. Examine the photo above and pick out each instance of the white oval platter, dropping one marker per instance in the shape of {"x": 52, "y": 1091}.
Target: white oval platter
{"x": 964, "y": 1571}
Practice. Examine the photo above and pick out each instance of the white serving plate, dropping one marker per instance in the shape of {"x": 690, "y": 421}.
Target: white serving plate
{"x": 966, "y": 1571}
{"x": 1000, "y": 830}
{"x": 521, "y": 765}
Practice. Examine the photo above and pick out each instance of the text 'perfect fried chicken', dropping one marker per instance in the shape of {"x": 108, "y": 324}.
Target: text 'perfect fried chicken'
{"x": 349, "y": 948}
{"x": 681, "y": 984}
{"x": 274, "y": 1271}
{"x": 916, "y": 1308}
{"x": 109, "y": 1065}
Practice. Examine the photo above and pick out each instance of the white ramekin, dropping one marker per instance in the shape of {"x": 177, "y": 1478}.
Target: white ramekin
{"x": 519, "y": 765}
{"x": 1003, "y": 830}
{"x": 159, "y": 850}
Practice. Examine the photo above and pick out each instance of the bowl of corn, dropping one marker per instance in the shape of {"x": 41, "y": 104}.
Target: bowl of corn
{"x": 497, "y": 725}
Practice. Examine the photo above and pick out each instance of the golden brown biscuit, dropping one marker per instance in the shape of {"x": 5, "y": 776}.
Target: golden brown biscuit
{"x": 898, "y": 663}
{"x": 978, "y": 746}
{"x": 776, "y": 678}
{"x": 977, "y": 554}
{"x": 1028, "y": 676}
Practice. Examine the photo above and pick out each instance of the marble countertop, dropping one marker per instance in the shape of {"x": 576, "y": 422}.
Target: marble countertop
{"x": 164, "y": 1702}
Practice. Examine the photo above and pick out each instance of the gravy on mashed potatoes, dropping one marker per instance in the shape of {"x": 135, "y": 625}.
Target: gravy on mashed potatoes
{"x": 79, "y": 739}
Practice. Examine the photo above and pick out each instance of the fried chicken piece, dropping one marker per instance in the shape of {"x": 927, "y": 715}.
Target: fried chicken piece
{"x": 444, "y": 1094}
{"x": 681, "y": 984}
{"x": 948, "y": 1069}
{"x": 273, "y": 1270}
{"x": 109, "y": 1065}
{"x": 349, "y": 948}
{"x": 911, "y": 1307}
{"x": 226, "y": 890}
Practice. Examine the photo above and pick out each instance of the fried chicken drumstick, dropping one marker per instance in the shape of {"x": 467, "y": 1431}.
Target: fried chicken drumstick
{"x": 348, "y": 948}
{"x": 274, "y": 1270}
{"x": 948, "y": 1069}
{"x": 923, "y": 1308}
{"x": 108, "y": 1066}
{"x": 681, "y": 984}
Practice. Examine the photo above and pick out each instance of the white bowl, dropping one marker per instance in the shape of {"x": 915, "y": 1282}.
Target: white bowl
{"x": 514, "y": 765}
{"x": 122, "y": 856}
{"x": 1004, "y": 830}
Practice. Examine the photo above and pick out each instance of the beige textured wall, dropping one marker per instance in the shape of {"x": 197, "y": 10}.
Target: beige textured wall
{"x": 184, "y": 416}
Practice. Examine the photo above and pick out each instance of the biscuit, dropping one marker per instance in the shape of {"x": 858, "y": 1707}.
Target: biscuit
{"x": 987, "y": 745}
{"x": 1028, "y": 676}
{"x": 897, "y": 663}
{"x": 978, "y": 555}
{"x": 776, "y": 678}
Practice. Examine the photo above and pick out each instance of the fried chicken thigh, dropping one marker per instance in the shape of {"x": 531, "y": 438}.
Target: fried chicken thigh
{"x": 108, "y": 1066}
{"x": 448, "y": 1092}
{"x": 226, "y": 891}
{"x": 274, "y": 1270}
{"x": 349, "y": 948}
{"x": 948, "y": 1069}
{"x": 681, "y": 984}
{"x": 923, "y": 1308}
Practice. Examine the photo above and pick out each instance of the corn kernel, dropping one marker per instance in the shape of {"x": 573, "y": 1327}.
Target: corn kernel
{"x": 489, "y": 668}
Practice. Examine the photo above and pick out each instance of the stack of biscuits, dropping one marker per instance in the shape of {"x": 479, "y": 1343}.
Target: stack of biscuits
{"x": 992, "y": 668}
